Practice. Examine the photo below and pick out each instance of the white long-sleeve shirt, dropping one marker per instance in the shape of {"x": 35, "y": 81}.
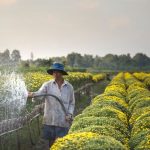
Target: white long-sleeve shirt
{"x": 53, "y": 112}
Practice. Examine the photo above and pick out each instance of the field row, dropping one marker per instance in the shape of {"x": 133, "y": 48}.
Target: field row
{"x": 144, "y": 77}
{"x": 117, "y": 119}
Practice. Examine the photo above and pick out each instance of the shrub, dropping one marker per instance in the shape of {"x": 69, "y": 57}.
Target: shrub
{"x": 144, "y": 144}
{"x": 147, "y": 81}
{"x": 114, "y": 93}
{"x": 137, "y": 92}
{"x": 140, "y": 103}
{"x": 111, "y": 103}
{"x": 84, "y": 122}
{"x": 140, "y": 125}
{"x": 144, "y": 115}
{"x": 116, "y": 88}
{"x": 105, "y": 130}
{"x": 86, "y": 141}
{"x": 137, "y": 114}
{"x": 110, "y": 98}
{"x": 137, "y": 138}
{"x": 107, "y": 112}
{"x": 140, "y": 94}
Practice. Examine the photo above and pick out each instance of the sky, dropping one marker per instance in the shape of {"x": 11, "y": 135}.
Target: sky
{"x": 49, "y": 28}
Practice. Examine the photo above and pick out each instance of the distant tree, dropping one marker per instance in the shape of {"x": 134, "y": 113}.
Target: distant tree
{"x": 88, "y": 60}
{"x": 110, "y": 61}
{"x": 25, "y": 63}
{"x": 141, "y": 60}
{"x": 97, "y": 61}
{"x": 71, "y": 59}
{"x": 74, "y": 60}
{"x": 124, "y": 61}
{"x": 64, "y": 61}
{"x": 43, "y": 62}
{"x": 59, "y": 59}
{"x": 15, "y": 57}
{"x": 5, "y": 57}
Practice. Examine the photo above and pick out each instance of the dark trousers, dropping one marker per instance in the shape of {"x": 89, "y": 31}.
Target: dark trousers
{"x": 51, "y": 133}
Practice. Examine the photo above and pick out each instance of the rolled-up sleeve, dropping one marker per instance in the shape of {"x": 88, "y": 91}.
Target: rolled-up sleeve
{"x": 71, "y": 102}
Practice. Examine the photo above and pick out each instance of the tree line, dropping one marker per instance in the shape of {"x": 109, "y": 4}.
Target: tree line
{"x": 12, "y": 59}
{"x": 109, "y": 62}
{"x": 75, "y": 60}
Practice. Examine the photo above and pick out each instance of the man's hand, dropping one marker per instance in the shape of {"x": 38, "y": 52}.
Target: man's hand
{"x": 30, "y": 94}
{"x": 69, "y": 117}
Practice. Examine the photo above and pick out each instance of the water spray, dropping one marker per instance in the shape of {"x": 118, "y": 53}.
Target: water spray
{"x": 13, "y": 97}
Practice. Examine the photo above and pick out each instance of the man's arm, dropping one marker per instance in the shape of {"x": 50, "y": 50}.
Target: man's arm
{"x": 42, "y": 90}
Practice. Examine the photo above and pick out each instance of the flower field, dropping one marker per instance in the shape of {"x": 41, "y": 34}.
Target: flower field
{"x": 139, "y": 106}
{"x": 77, "y": 79}
{"x": 117, "y": 119}
{"x": 144, "y": 77}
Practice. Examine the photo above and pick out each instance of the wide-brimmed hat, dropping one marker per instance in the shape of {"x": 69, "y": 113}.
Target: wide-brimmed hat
{"x": 57, "y": 67}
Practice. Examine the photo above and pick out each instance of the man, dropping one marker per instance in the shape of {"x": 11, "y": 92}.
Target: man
{"x": 55, "y": 122}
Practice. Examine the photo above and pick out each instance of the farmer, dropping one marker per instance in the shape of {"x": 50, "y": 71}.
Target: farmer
{"x": 55, "y": 122}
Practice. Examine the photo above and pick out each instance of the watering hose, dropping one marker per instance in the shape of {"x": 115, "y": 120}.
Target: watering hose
{"x": 58, "y": 99}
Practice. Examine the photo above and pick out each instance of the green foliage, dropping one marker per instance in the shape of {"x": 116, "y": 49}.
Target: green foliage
{"x": 105, "y": 130}
{"x": 106, "y": 112}
{"x": 141, "y": 125}
{"x": 116, "y": 88}
{"x": 137, "y": 138}
{"x": 139, "y": 95}
{"x": 83, "y": 122}
{"x": 139, "y": 103}
{"x": 104, "y": 97}
{"x": 87, "y": 141}
{"x": 144, "y": 115}
{"x": 144, "y": 144}
{"x": 138, "y": 113}
{"x": 117, "y": 94}
{"x": 111, "y": 103}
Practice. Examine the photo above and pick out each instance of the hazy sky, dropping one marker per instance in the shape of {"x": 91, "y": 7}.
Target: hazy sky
{"x": 58, "y": 27}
